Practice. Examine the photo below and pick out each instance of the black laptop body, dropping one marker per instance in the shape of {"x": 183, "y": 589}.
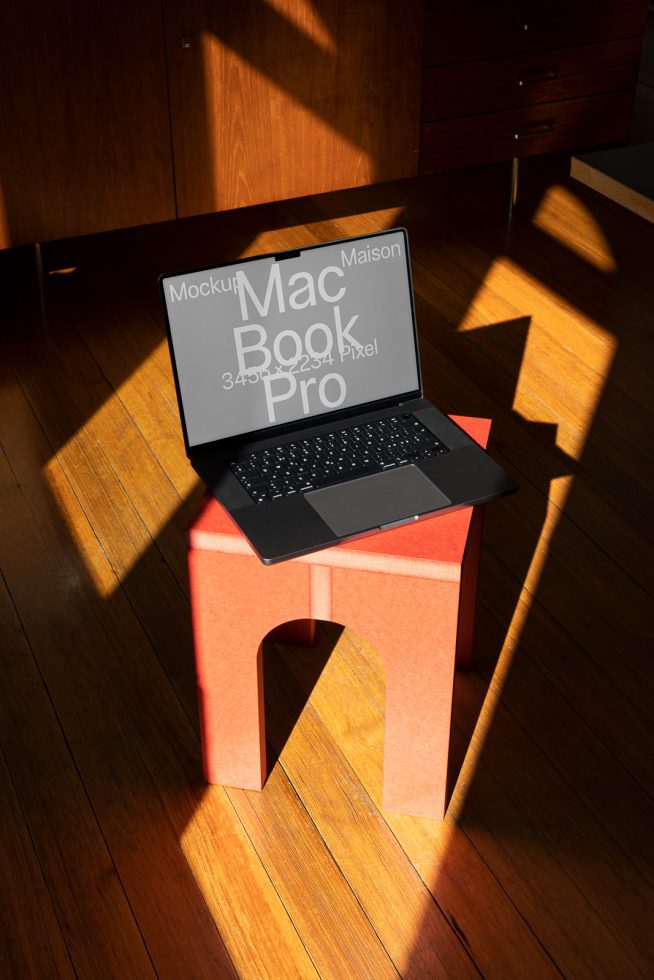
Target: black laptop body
{"x": 300, "y": 395}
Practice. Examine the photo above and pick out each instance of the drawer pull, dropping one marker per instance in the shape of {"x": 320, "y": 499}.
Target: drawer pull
{"x": 537, "y": 129}
{"x": 543, "y": 22}
{"x": 535, "y": 75}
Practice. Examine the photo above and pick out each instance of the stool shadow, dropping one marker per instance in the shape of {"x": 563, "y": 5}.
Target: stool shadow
{"x": 496, "y": 351}
{"x": 499, "y": 588}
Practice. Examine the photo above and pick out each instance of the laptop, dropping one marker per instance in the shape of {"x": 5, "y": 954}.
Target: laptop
{"x": 300, "y": 395}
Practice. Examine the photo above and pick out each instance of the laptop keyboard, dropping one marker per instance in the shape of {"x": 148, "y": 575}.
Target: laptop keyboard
{"x": 333, "y": 457}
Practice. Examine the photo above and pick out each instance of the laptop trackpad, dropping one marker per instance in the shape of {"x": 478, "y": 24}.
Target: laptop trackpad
{"x": 377, "y": 500}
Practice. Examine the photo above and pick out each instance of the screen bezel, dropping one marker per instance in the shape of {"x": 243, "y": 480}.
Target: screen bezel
{"x": 321, "y": 418}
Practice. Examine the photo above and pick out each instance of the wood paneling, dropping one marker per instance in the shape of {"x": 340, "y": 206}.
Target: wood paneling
{"x": 84, "y": 119}
{"x": 271, "y": 101}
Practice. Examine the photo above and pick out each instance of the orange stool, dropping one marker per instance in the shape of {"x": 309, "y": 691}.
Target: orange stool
{"x": 410, "y": 592}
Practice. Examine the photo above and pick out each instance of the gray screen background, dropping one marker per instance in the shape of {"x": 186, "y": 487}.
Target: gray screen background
{"x": 202, "y": 330}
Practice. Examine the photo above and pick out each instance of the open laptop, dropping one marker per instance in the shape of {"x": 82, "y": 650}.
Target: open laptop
{"x": 300, "y": 396}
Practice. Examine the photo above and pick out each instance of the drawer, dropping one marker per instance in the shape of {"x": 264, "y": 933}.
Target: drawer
{"x": 485, "y": 30}
{"x": 470, "y": 140}
{"x": 527, "y": 79}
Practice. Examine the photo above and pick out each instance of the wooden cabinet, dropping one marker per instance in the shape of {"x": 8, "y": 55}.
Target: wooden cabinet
{"x": 122, "y": 114}
{"x": 506, "y": 78}
{"x": 84, "y": 133}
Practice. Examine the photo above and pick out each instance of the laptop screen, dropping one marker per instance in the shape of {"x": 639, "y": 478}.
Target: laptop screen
{"x": 275, "y": 340}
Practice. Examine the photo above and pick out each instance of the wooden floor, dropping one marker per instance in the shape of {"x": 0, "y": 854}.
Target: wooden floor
{"x": 116, "y": 859}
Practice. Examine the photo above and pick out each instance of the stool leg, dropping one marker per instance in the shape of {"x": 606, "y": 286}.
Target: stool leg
{"x": 412, "y": 623}
{"x": 230, "y": 699}
{"x": 468, "y": 602}
{"x": 417, "y": 726}
{"x": 235, "y": 602}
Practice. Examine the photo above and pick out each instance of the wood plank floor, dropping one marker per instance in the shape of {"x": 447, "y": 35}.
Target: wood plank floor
{"x": 117, "y": 860}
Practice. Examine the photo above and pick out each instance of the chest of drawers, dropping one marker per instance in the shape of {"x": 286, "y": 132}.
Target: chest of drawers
{"x": 507, "y": 78}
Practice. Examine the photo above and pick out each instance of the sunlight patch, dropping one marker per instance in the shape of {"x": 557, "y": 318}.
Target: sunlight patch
{"x": 303, "y": 15}
{"x": 107, "y": 500}
{"x": 566, "y": 356}
{"x": 565, "y": 218}
{"x": 236, "y": 187}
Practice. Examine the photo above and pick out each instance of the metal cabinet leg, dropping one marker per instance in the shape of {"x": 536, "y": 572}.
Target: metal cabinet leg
{"x": 513, "y": 198}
